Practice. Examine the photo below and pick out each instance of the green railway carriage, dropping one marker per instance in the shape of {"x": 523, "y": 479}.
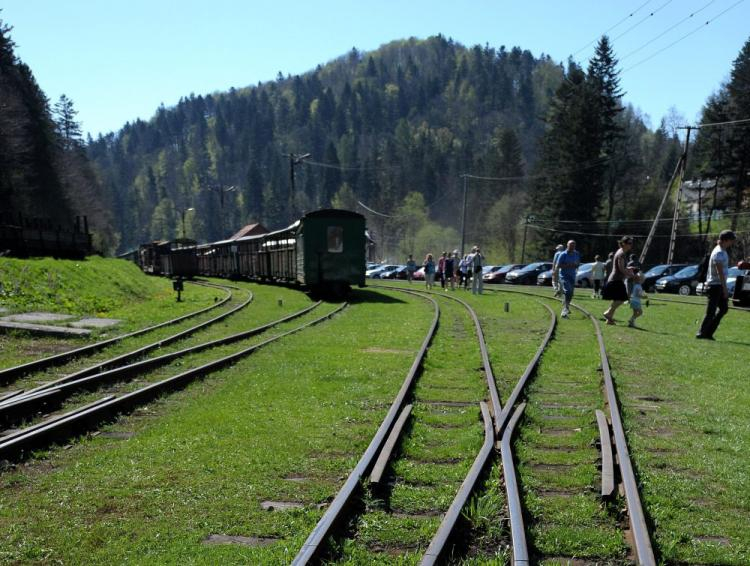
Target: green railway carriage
{"x": 330, "y": 250}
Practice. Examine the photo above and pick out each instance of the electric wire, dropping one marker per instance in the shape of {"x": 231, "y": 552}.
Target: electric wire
{"x": 589, "y": 44}
{"x": 729, "y": 123}
{"x": 639, "y": 236}
{"x": 635, "y": 25}
{"x": 699, "y": 28}
{"x": 665, "y": 32}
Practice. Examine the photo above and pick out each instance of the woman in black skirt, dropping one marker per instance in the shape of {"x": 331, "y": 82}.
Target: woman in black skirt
{"x": 615, "y": 289}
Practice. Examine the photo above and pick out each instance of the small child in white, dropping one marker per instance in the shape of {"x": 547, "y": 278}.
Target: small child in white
{"x": 636, "y": 294}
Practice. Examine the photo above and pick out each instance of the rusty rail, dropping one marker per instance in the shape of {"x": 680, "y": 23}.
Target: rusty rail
{"x": 93, "y": 381}
{"x": 314, "y": 545}
{"x": 8, "y": 375}
{"x": 86, "y": 419}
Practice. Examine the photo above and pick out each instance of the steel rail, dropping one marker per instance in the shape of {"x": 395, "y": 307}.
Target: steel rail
{"x": 515, "y": 510}
{"x": 99, "y": 368}
{"x": 702, "y": 304}
{"x": 435, "y": 552}
{"x": 502, "y": 419}
{"x": 74, "y": 423}
{"x": 638, "y": 526}
{"x": 440, "y": 541}
{"x": 642, "y": 540}
{"x": 93, "y": 381}
{"x": 8, "y": 375}
{"x": 313, "y": 547}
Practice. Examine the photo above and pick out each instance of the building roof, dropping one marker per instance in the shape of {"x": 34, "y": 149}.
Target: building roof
{"x": 249, "y": 230}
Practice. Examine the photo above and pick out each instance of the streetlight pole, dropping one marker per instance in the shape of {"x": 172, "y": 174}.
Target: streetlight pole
{"x": 221, "y": 190}
{"x": 184, "y": 210}
{"x": 463, "y": 218}
{"x": 294, "y": 160}
{"x": 529, "y": 219}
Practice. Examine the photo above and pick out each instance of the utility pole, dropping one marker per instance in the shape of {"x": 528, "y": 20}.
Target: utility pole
{"x": 678, "y": 200}
{"x": 463, "y": 218}
{"x": 294, "y": 160}
{"x": 529, "y": 219}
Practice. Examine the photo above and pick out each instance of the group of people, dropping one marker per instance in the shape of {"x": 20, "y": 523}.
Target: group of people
{"x": 451, "y": 270}
{"x": 624, "y": 281}
{"x": 618, "y": 280}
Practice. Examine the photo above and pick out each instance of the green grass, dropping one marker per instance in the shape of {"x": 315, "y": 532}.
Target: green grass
{"x": 217, "y": 450}
{"x": 201, "y": 461}
{"x": 95, "y": 287}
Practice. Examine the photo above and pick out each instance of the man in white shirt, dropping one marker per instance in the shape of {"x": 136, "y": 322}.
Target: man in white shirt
{"x": 716, "y": 282}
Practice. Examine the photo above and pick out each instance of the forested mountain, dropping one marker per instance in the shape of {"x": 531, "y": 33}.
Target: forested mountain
{"x": 409, "y": 117}
{"x": 44, "y": 171}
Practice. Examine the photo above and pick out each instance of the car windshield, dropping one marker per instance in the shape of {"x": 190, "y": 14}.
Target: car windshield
{"x": 689, "y": 271}
{"x": 735, "y": 271}
{"x": 584, "y": 267}
{"x": 532, "y": 267}
{"x": 656, "y": 270}
{"x": 507, "y": 268}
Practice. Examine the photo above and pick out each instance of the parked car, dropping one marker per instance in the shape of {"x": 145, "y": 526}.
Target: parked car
{"x": 398, "y": 273}
{"x": 732, "y": 274}
{"x": 419, "y": 274}
{"x": 659, "y": 271}
{"x": 527, "y": 275}
{"x": 545, "y": 278}
{"x": 378, "y": 271}
{"x": 741, "y": 294}
{"x": 683, "y": 282}
{"x": 584, "y": 275}
{"x": 498, "y": 272}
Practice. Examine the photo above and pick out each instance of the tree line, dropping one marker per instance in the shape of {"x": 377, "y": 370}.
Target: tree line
{"x": 45, "y": 173}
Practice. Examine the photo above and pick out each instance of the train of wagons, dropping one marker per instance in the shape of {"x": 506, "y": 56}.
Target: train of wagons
{"x": 325, "y": 251}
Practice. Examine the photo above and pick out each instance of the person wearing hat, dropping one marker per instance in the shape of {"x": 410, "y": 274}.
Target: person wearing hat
{"x": 716, "y": 282}
{"x": 555, "y": 281}
{"x": 615, "y": 289}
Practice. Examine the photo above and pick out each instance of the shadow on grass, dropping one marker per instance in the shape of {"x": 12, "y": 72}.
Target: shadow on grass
{"x": 368, "y": 296}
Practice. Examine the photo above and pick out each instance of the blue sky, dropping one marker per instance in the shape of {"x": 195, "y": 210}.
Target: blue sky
{"x": 118, "y": 60}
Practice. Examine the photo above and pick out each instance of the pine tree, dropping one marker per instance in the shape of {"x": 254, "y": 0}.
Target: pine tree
{"x": 68, "y": 128}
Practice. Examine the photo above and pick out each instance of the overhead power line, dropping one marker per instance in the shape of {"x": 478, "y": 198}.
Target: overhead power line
{"x": 729, "y": 123}
{"x": 639, "y": 22}
{"x": 643, "y": 236}
{"x": 696, "y": 30}
{"x": 630, "y": 15}
{"x": 665, "y": 32}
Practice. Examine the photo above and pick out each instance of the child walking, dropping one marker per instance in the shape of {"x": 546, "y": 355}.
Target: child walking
{"x": 636, "y": 295}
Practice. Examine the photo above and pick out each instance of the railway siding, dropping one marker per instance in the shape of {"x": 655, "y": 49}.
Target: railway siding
{"x": 203, "y": 461}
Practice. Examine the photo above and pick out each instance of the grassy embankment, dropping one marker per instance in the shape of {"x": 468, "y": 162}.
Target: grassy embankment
{"x": 96, "y": 287}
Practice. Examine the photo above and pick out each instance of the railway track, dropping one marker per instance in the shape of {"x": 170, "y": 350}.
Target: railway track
{"x": 15, "y": 444}
{"x": 11, "y": 374}
{"x": 430, "y": 416}
{"x": 576, "y": 408}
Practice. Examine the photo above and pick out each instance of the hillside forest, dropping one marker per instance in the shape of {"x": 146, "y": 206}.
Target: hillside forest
{"x": 397, "y": 134}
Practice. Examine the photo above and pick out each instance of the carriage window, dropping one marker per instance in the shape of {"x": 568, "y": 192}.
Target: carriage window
{"x": 335, "y": 239}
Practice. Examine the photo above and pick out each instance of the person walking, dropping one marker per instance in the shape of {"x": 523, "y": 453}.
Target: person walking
{"x": 716, "y": 281}
{"x": 615, "y": 290}
{"x": 411, "y": 267}
{"x": 464, "y": 272}
{"x": 566, "y": 267}
{"x": 597, "y": 273}
{"x": 429, "y": 271}
{"x": 555, "y": 281}
{"x": 477, "y": 263}
{"x": 450, "y": 262}
{"x": 636, "y": 296}
{"x": 441, "y": 269}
